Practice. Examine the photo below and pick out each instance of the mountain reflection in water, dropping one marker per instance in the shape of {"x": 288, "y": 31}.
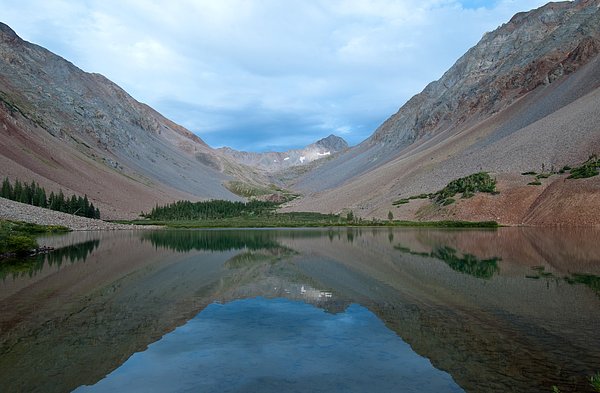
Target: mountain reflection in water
{"x": 513, "y": 309}
{"x": 278, "y": 345}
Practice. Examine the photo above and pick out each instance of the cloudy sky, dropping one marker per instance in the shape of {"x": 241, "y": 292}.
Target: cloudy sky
{"x": 264, "y": 75}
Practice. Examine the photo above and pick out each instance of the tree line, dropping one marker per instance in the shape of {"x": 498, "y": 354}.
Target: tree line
{"x": 35, "y": 195}
{"x": 209, "y": 210}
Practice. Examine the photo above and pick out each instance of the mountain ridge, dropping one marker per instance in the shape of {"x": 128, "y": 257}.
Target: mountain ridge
{"x": 85, "y": 134}
{"x": 524, "y": 97}
{"x": 503, "y": 89}
{"x": 274, "y": 161}
{"x": 464, "y": 91}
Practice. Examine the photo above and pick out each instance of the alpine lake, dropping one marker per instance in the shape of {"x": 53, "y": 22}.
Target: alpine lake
{"x": 304, "y": 310}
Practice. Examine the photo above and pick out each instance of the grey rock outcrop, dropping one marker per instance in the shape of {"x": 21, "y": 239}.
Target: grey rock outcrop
{"x": 534, "y": 48}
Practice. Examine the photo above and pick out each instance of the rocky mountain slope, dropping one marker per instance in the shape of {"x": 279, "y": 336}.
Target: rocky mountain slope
{"x": 275, "y": 161}
{"x": 69, "y": 129}
{"x": 526, "y": 97}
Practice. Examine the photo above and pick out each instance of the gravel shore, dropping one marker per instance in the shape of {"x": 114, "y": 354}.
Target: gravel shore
{"x": 15, "y": 211}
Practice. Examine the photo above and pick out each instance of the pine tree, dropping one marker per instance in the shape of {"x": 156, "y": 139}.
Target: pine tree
{"x": 40, "y": 198}
{"x": 91, "y": 211}
{"x": 73, "y": 205}
{"x": 35, "y": 195}
{"x": 7, "y": 190}
{"x": 350, "y": 216}
{"x": 26, "y": 194}
{"x": 85, "y": 207}
{"x": 60, "y": 202}
{"x": 31, "y": 195}
{"x": 17, "y": 191}
{"x": 79, "y": 208}
{"x": 52, "y": 201}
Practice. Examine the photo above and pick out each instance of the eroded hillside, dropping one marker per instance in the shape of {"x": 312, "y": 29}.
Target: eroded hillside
{"x": 69, "y": 129}
{"x": 526, "y": 97}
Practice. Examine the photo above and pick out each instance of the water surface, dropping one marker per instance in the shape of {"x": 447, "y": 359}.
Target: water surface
{"x": 514, "y": 309}
{"x": 278, "y": 345}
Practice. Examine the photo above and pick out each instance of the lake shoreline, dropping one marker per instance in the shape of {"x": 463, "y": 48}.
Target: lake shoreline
{"x": 16, "y": 211}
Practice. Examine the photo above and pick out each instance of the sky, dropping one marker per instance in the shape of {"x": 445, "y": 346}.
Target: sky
{"x": 264, "y": 75}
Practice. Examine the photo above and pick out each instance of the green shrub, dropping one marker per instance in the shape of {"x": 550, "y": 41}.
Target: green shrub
{"x": 534, "y": 183}
{"x": 595, "y": 381}
{"x": 529, "y": 173}
{"x": 19, "y": 244}
{"x": 468, "y": 186}
{"x": 19, "y": 237}
{"x": 587, "y": 169}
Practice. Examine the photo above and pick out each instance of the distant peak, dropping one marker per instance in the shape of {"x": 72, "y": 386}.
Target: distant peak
{"x": 333, "y": 142}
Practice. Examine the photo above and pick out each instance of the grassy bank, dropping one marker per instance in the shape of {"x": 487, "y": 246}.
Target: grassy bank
{"x": 264, "y": 214}
{"x": 18, "y": 238}
{"x": 299, "y": 220}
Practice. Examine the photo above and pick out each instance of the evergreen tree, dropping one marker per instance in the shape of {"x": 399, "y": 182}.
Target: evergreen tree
{"x": 52, "y": 201}
{"x": 85, "y": 207}
{"x": 91, "y": 211}
{"x": 17, "y": 191}
{"x": 31, "y": 195}
{"x": 350, "y": 216}
{"x": 60, "y": 202}
{"x": 73, "y": 205}
{"x": 7, "y": 190}
{"x": 40, "y": 198}
{"x": 25, "y": 194}
{"x": 35, "y": 195}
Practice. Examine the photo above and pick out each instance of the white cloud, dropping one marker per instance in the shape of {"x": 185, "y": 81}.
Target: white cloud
{"x": 231, "y": 68}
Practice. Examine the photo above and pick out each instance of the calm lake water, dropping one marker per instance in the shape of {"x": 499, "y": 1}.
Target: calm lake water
{"x": 311, "y": 310}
